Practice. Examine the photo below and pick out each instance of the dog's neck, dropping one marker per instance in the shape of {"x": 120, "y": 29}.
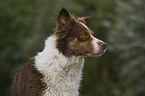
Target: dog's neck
{"x": 61, "y": 74}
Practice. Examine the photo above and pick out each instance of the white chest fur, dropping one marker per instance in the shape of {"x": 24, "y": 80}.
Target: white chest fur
{"x": 61, "y": 74}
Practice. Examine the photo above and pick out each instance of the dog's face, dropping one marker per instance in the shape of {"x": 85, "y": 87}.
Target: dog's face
{"x": 75, "y": 38}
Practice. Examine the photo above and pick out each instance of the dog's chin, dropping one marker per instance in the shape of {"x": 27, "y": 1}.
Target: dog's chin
{"x": 96, "y": 54}
{"x": 93, "y": 54}
{"x": 100, "y": 53}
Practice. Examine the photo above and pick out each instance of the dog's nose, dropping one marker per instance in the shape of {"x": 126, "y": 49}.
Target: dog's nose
{"x": 103, "y": 45}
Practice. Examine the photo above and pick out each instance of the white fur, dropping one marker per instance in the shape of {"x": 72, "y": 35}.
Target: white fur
{"x": 61, "y": 74}
{"x": 95, "y": 44}
{"x": 95, "y": 40}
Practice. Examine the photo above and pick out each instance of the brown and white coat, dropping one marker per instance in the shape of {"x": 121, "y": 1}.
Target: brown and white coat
{"x": 56, "y": 71}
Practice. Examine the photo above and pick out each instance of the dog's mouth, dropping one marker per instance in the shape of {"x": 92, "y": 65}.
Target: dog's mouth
{"x": 99, "y": 53}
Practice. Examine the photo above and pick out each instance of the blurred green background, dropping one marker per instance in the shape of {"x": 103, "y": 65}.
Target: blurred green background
{"x": 25, "y": 24}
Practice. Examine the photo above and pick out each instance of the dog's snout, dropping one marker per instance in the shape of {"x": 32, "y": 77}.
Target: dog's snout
{"x": 103, "y": 45}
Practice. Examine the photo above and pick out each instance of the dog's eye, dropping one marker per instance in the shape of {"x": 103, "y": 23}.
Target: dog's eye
{"x": 84, "y": 36}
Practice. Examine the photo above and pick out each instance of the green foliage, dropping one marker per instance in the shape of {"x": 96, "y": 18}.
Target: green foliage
{"x": 25, "y": 24}
{"x": 16, "y": 22}
{"x": 126, "y": 35}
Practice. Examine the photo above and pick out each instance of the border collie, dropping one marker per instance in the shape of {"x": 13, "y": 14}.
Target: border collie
{"x": 57, "y": 70}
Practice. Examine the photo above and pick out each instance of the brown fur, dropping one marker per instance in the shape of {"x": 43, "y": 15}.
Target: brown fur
{"x": 82, "y": 19}
{"x": 73, "y": 38}
{"x": 27, "y": 81}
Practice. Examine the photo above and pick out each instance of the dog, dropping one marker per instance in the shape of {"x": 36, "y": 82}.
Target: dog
{"x": 56, "y": 71}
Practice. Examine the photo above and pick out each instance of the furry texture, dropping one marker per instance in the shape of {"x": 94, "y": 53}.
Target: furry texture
{"x": 97, "y": 50}
{"x": 64, "y": 74}
{"x": 56, "y": 71}
{"x": 27, "y": 81}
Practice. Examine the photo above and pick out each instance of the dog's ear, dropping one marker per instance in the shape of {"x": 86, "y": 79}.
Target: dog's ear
{"x": 64, "y": 17}
{"x": 83, "y": 19}
{"x": 64, "y": 23}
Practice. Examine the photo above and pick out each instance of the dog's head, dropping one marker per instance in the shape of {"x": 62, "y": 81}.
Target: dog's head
{"x": 74, "y": 38}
